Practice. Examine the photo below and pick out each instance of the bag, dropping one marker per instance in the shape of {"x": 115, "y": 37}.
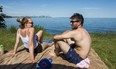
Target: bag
{"x": 45, "y": 63}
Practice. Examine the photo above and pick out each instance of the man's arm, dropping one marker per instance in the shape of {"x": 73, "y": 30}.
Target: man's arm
{"x": 65, "y": 35}
{"x": 69, "y": 41}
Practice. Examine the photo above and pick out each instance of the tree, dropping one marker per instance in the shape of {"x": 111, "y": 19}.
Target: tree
{"x": 2, "y": 21}
{"x": 1, "y": 7}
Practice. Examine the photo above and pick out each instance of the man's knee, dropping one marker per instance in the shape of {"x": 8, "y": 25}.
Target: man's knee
{"x": 59, "y": 42}
{"x": 63, "y": 46}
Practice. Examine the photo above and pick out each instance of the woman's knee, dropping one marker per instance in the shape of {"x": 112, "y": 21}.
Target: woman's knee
{"x": 39, "y": 35}
{"x": 40, "y": 32}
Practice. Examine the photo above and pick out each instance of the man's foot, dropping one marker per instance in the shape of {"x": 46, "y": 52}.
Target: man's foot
{"x": 50, "y": 44}
{"x": 84, "y": 63}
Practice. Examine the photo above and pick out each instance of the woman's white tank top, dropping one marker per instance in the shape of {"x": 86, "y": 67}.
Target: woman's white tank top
{"x": 25, "y": 40}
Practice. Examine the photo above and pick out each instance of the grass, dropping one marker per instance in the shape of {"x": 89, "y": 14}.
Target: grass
{"x": 103, "y": 43}
{"x": 47, "y": 35}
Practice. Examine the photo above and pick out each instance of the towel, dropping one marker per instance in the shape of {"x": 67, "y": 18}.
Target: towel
{"x": 84, "y": 63}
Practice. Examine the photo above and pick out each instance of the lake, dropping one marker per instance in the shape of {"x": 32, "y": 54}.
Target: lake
{"x": 59, "y": 24}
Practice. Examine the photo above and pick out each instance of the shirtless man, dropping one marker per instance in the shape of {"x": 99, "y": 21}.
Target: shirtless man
{"x": 75, "y": 43}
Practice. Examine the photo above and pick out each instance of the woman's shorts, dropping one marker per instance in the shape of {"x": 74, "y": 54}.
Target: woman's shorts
{"x": 38, "y": 49}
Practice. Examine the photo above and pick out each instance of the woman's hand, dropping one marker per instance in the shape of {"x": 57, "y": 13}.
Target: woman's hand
{"x": 11, "y": 53}
{"x": 33, "y": 61}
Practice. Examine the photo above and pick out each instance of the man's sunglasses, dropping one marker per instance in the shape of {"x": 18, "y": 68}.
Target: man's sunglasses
{"x": 73, "y": 21}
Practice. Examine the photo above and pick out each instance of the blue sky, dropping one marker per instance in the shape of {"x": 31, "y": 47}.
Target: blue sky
{"x": 60, "y": 8}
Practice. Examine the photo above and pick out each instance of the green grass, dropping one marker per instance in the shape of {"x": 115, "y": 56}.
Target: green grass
{"x": 8, "y": 37}
{"x": 47, "y": 35}
{"x": 105, "y": 45}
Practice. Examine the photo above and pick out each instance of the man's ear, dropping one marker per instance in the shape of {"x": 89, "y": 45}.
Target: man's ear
{"x": 79, "y": 23}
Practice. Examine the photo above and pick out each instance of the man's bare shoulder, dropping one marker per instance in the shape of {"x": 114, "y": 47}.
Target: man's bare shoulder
{"x": 74, "y": 31}
{"x": 76, "y": 34}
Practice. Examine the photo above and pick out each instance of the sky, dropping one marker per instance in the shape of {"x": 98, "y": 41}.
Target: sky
{"x": 60, "y": 8}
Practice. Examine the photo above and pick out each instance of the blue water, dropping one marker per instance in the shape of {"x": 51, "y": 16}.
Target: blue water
{"x": 58, "y": 25}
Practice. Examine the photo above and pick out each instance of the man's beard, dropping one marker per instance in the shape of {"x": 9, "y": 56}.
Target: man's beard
{"x": 74, "y": 28}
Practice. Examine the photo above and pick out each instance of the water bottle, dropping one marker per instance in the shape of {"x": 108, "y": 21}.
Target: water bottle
{"x": 1, "y": 49}
{"x": 45, "y": 63}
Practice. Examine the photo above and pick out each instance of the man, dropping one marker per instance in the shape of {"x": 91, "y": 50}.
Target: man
{"x": 75, "y": 43}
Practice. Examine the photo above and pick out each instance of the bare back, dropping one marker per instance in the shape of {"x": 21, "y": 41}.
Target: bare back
{"x": 24, "y": 32}
{"x": 83, "y": 41}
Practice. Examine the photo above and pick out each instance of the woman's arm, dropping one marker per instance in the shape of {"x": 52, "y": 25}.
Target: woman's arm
{"x": 31, "y": 43}
{"x": 17, "y": 42}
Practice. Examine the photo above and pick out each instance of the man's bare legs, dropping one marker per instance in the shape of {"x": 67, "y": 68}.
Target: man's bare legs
{"x": 60, "y": 47}
{"x": 63, "y": 46}
{"x": 57, "y": 49}
{"x": 69, "y": 41}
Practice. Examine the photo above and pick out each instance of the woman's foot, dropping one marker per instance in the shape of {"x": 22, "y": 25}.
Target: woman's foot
{"x": 52, "y": 54}
{"x": 50, "y": 44}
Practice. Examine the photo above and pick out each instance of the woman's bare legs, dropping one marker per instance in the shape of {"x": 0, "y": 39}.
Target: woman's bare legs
{"x": 45, "y": 45}
{"x": 40, "y": 36}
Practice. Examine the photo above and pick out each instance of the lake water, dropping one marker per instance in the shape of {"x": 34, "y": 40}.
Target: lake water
{"x": 58, "y": 25}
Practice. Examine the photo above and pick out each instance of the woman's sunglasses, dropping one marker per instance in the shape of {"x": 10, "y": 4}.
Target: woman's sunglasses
{"x": 30, "y": 22}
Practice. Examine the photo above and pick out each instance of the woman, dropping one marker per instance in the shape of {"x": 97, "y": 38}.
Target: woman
{"x": 32, "y": 42}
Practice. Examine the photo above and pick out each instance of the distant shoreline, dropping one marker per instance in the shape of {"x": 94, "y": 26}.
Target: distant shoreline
{"x": 29, "y": 16}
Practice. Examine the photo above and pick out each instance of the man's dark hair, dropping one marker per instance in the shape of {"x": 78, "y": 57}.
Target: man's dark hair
{"x": 78, "y": 17}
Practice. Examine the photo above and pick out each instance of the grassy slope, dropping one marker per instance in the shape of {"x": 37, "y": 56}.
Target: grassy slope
{"x": 103, "y": 43}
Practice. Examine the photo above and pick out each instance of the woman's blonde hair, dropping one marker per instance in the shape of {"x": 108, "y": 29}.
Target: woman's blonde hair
{"x": 22, "y": 21}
